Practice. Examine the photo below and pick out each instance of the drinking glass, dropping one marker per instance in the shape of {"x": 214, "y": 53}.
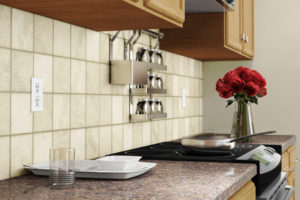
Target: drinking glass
{"x": 62, "y": 167}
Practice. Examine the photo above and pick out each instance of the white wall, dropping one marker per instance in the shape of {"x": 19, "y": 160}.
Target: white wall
{"x": 277, "y": 57}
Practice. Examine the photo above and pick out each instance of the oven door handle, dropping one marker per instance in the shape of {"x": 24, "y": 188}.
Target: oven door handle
{"x": 290, "y": 190}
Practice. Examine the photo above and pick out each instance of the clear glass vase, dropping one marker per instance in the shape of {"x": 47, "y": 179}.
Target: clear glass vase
{"x": 242, "y": 121}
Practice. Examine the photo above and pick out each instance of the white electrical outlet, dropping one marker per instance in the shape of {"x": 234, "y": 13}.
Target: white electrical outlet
{"x": 36, "y": 94}
{"x": 183, "y": 98}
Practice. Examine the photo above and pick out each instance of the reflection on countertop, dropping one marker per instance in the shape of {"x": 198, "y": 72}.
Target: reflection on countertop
{"x": 169, "y": 180}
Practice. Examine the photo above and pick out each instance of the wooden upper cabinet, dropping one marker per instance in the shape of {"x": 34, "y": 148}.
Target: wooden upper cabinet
{"x": 233, "y": 29}
{"x": 248, "y": 27}
{"x": 174, "y": 9}
{"x": 215, "y": 36}
{"x": 107, "y": 15}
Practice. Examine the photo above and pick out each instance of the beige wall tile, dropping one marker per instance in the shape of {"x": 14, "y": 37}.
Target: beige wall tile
{"x": 92, "y": 143}
{"x": 92, "y": 78}
{"x": 186, "y": 127}
{"x": 146, "y": 133}
{"x": 22, "y": 71}
{"x": 198, "y": 69}
{"x": 192, "y": 87}
{"x": 43, "y": 34}
{"x": 5, "y": 24}
{"x": 78, "y": 42}
{"x": 168, "y": 106}
{"x": 78, "y": 142}
{"x": 61, "y": 75}
{"x": 61, "y": 111}
{"x": 5, "y": 113}
{"x": 92, "y": 110}
{"x": 117, "y": 138}
{"x": 192, "y": 126}
{"x": 4, "y": 158}
{"x": 61, "y": 139}
{"x": 78, "y": 76}
{"x": 21, "y": 116}
{"x": 4, "y": 67}
{"x": 77, "y": 111}
{"x": 175, "y": 85}
{"x": 192, "y": 67}
{"x": 105, "y": 110}
{"x": 127, "y": 136}
{"x": 118, "y": 49}
{"x": 43, "y": 120}
{"x": 175, "y": 107}
{"x": 145, "y": 39}
{"x": 187, "y": 85}
{"x": 181, "y": 65}
{"x": 137, "y": 135}
{"x": 187, "y": 66}
{"x": 168, "y": 60}
{"x": 104, "y": 48}
{"x": 42, "y": 142}
{"x": 197, "y": 87}
{"x": 105, "y": 140}
{"x": 181, "y": 127}
{"x": 21, "y": 153}
{"x": 43, "y": 68}
{"x": 154, "y": 132}
{"x": 117, "y": 109}
{"x": 161, "y": 130}
{"x": 22, "y": 30}
{"x": 92, "y": 45}
{"x": 125, "y": 109}
{"x": 62, "y": 39}
{"x": 175, "y": 129}
{"x": 169, "y": 130}
{"x": 175, "y": 66}
{"x": 105, "y": 87}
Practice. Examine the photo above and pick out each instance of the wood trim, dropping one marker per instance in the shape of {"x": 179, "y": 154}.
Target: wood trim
{"x": 247, "y": 192}
{"x": 172, "y": 9}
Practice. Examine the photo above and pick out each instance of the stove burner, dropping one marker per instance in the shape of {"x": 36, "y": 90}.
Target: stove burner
{"x": 244, "y": 146}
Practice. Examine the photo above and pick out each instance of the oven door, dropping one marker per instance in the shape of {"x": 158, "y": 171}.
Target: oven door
{"x": 277, "y": 190}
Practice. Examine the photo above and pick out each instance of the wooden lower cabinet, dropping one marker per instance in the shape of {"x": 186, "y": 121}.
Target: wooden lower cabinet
{"x": 247, "y": 192}
{"x": 288, "y": 160}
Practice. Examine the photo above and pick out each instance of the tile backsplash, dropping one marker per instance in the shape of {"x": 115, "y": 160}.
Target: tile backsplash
{"x": 81, "y": 109}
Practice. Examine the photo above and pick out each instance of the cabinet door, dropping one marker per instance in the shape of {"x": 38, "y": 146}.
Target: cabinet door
{"x": 174, "y": 9}
{"x": 292, "y": 160}
{"x": 233, "y": 36}
{"x": 291, "y": 182}
{"x": 245, "y": 193}
{"x": 248, "y": 27}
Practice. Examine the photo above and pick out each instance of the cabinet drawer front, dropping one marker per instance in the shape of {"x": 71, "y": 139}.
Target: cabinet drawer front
{"x": 174, "y": 9}
{"x": 285, "y": 162}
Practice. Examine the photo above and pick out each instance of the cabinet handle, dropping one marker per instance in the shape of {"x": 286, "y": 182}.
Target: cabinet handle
{"x": 243, "y": 37}
{"x": 246, "y": 39}
{"x": 288, "y": 169}
{"x": 295, "y": 160}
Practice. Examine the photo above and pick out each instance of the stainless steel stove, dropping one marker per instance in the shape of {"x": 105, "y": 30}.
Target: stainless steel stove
{"x": 176, "y": 152}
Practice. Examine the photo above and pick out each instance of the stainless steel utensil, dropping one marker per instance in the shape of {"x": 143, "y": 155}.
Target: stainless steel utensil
{"x": 159, "y": 107}
{"x": 159, "y": 81}
{"x": 152, "y": 105}
{"x": 142, "y": 106}
{"x": 216, "y": 141}
{"x": 151, "y": 80}
{"x": 142, "y": 54}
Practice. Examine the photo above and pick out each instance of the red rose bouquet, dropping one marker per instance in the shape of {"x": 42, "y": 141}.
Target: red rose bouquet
{"x": 243, "y": 84}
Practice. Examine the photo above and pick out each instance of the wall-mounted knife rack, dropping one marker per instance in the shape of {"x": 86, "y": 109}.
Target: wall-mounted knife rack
{"x": 131, "y": 72}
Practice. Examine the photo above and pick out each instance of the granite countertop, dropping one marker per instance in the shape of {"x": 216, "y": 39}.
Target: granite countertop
{"x": 168, "y": 180}
{"x": 284, "y": 140}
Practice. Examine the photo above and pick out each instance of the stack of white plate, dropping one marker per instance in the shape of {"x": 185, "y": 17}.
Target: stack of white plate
{"x": 109, "y": 167}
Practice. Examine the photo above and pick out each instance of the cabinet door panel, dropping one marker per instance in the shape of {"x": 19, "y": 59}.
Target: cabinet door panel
{"x": 292, "y": 156}
{"x": 174, "y": 9}
{"x": 233, "y": 28}
{"x": 285, "y": 162}
{"x": 245, "y": 193}
{"x": 248, "y": 26}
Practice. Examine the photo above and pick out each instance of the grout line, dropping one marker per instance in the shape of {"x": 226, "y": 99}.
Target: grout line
{"x": 10, "y": 95}
{"x": 70, "y": 96}
{"x": 52, "y": 97}
{"x": 33, "y": 113}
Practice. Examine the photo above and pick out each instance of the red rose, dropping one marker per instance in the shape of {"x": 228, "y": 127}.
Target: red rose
{"x": 225, "y": 92}
{"x": 236, "y": 84}
{"x": 262, "y": 92}
{"x": 244, "y": 73}
{"x": 258, "y": 79}
{"x": 219, "y": 84}
{"x": 229, "y": 76}
{"x": 251, "y": 89}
